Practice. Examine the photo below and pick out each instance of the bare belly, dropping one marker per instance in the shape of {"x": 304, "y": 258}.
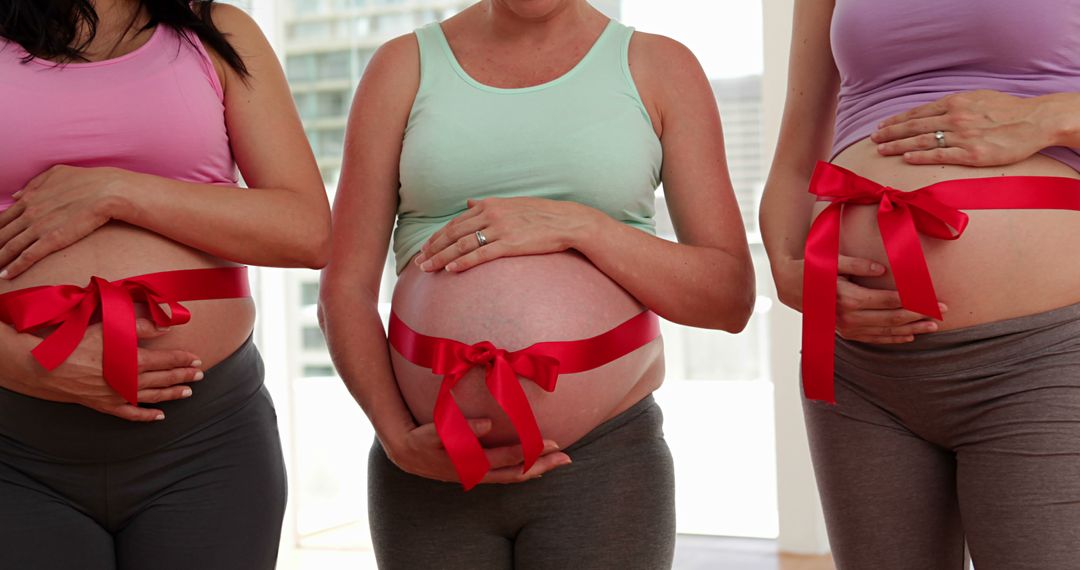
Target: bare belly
{"x": 1008, "y": 263}
{"x": 513, "y": 303}
{"x": 115, "y": 251}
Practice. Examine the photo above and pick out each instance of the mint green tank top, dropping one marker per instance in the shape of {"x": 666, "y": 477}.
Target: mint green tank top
{"x": 584, "y": 137}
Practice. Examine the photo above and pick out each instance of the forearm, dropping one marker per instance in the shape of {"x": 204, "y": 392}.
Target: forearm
{"x": 708, "y": 287}
{"x": 358, "y": 347}
{"x": 786, "y": 210}
{"x": 256, "y": 226}
{"x": 1062, "y": 118}
{"x": 784, "y": 219}
{"x": 16, "y": 363}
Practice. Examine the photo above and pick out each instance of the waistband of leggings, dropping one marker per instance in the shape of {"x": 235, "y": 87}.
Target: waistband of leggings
{"x": 961, "y": 349}
{"x": 623, "y": 418}
{"x": 70, "y": 432}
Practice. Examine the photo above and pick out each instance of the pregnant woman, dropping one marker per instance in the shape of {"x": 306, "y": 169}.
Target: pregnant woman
{"x": 950, "y": 410}
{"x": 123, "y": 123}
{"x": 518, "y": 146}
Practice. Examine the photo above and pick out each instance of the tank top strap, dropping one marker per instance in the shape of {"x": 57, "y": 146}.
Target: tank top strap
{"x": 436, "y": 58}
{"x": 203, "y": 60}
{"x": 607, "y": 65}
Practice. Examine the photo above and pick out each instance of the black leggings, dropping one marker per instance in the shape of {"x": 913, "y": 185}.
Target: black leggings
{"x": 204, "y": 489}
{"x": 613, "y": 507}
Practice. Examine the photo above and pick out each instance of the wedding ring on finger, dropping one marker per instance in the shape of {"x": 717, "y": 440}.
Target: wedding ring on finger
{"x": 480, "y": 238}
{"x": 940, "y": 136}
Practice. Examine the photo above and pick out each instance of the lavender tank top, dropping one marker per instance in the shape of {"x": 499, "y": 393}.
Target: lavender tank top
{"x": 894, "y": 55}
{"x": 157, "y": 110}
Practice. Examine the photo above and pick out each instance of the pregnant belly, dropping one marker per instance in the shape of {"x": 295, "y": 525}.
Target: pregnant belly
{"x": 1008, "y": 263}
{"x": 114, "y": 251}
{"x": 513, "y": 303}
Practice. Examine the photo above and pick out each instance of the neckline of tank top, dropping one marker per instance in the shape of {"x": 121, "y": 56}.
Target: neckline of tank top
{"x": 456, "y": 65}
{"x": 154, "y": 36}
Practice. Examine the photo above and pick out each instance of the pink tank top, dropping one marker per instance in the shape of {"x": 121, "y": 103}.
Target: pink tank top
{"x": 894, "y": 55}
{"x": 157, "y": 110}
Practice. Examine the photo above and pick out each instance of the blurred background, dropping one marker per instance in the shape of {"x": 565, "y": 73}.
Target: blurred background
{"x": 744, "y": 488}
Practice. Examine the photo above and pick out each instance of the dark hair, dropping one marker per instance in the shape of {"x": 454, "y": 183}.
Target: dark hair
{"x": 49, "y": 28}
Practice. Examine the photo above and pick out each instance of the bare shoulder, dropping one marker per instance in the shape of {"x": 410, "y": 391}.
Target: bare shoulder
{"x": 662, "y": 58}
{"x": 392, "y": 76}
{"x": 245, "y": 36}
{"x": 396, "y": 60}
{"x": 669, "y": 78}
{"x": 239, "y": 27}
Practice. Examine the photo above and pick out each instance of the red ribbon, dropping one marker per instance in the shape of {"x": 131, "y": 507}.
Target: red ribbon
{"x": 72, "y": 307}
{"x": 933, "y": 210}
{"x": 541, "y": 363}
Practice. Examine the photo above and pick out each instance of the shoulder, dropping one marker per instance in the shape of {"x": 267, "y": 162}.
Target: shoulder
{"x": 400, "y": 54}
{"x": 234, "y": 22}
{"x": 663, "y": 58}
{"x": 391, "y": 78}
{"x": 395, "y": 66}
{"x": 245, "y": 37}
{"x": 669, "y": 77}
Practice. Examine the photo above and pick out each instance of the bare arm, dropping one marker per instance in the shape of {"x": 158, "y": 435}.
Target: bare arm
{"x": 707, "y": 278}
{"x": 364, "y": 211}
{"x": 282, "y": 220}
{"x": 806, "y": 133}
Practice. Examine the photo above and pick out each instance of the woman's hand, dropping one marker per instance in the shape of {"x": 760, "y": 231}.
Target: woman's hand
{"x": 981, "y": 128}
{"x": 54, "y": 210}
{"x": 162, "y": 375}
{"x": 862, "y": 314}
{"x": 511, "y": 226}
{"x": 421, "y": 453}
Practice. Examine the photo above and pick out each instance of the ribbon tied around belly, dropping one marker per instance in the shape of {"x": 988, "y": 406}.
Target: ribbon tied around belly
{"x": 70, "y": 308}
{"x": 934, "y": 210}
{"x": 541, "y": 363}
{"x": 453, "y": 360}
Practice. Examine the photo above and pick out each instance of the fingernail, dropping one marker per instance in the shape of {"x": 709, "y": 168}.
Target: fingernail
{"x": 17, "y": 194}
{"x": 196, "y": 363}
{"x": 159, "y": 417}
{"x": 163, "y": 329}
{"x": 185, "y": 393}
{"x": 943, "y": 307}
{"x": 931, "y": 327}
{"x": 427, "y": 265}
{"x": 877, "y": 267}
{"x": 199, "y": 375}
{"x": 452, "y": 267}
{"x": 565, "y": 462}
{"x": 419, "y": 259}
{"x": 3, "y": 274}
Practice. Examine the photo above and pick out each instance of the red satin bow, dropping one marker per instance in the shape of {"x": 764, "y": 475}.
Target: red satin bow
{"x": 72, "y": 307}
{"x": 541, "y": 363}
{"x": 902, "y": 216}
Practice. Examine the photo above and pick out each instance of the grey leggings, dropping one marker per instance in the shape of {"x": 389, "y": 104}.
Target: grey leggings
{"x": 970, "y": 434}
{"x": 613, "y": 507}
{"x": 204, "y": 489}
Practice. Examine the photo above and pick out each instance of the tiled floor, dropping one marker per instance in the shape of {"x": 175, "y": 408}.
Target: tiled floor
{"x": 692, "y": 553}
